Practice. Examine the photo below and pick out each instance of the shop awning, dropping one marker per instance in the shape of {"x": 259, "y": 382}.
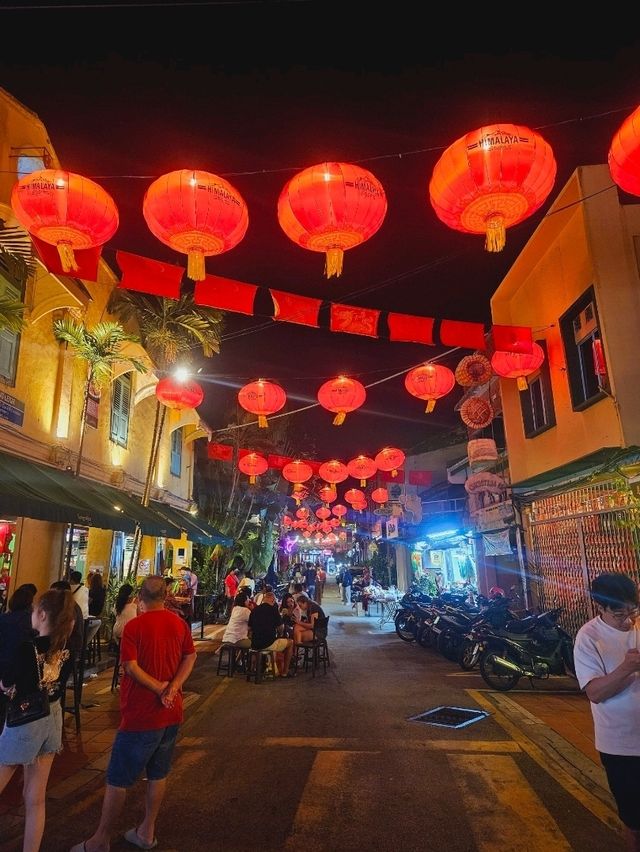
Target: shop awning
{"x": 195, "y": 528}
{"x": 32, "y": 490}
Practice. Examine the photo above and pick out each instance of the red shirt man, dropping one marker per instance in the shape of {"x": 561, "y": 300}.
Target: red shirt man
{"x": 231, "y": 582}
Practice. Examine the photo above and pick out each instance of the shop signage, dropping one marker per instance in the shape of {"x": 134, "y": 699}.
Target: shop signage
{"x": 93, "y": 403}
{"x": 489, "y": 482}
{"x": 392, "y": 528}
{"x": 494, "y": 517}
{"x": 376, "y": 530}
{"x": 11, "y": 409}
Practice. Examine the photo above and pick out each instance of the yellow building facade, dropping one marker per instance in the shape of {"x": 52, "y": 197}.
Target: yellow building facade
{"x": 42, "y": 393}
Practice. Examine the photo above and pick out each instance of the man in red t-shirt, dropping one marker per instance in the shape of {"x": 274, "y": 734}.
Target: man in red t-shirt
{"x": 158, "y": 655}
{"x": 231, "y": 583}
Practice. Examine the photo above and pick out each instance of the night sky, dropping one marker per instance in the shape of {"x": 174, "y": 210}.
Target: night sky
{"x": 255, "y": 92}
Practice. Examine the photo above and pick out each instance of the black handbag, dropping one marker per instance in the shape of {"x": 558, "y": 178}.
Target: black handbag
{"x": 28, "y": 708}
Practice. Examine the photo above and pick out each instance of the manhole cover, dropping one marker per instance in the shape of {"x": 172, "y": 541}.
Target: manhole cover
{"x": 450, "y": 717}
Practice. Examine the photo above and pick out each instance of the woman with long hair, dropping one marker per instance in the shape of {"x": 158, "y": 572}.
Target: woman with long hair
{"x": 125, "y": 609}
{"x": 37, "y": 663}
{"x": 97, "y": 594}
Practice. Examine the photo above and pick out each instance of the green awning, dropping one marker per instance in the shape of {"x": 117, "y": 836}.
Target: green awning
{"x": 151, "y": 522}
{"x": 603, "y": 461}
{"x": 195, "y": 528}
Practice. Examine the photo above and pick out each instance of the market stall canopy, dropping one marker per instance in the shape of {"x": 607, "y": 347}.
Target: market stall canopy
{"x": 34, "y": 490}
{"x": 195, "y": 528}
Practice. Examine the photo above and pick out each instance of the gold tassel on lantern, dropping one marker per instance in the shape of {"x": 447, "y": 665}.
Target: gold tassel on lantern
{"x": 252, "y": 480}
{"x": 333, "y": 262}
{"x": 394, "y": 473}
{"x": 262, "y": 421}
{"x": 522, "y": 383}
{"x": 339, "y": 419}
{"x": 430, "y": 406}
{"x": 496, "y": 234}
{"x": 67, "y": 257}
{"x": 195, "y": 265}
{"x": 363, "y": 483}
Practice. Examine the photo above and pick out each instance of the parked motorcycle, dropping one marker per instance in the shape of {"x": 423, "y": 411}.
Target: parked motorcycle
{"x": 496, "y": 618}
{"x": 535, "y": 647}
{"x": 408, "y": 617}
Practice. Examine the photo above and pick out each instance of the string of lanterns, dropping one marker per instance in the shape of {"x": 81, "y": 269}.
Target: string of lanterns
{"x": 485, "y": 182}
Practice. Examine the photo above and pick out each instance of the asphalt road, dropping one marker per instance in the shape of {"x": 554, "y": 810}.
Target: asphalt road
{"x": 336, "y": 763}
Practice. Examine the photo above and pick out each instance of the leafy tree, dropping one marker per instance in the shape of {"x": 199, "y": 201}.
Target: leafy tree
{"x": 11, "y": 314}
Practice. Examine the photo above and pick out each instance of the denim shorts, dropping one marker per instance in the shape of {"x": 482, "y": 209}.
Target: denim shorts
{"x": 24, "y": 744}
{"x": 133, "y": 752}
{"x": 623, "y": 775}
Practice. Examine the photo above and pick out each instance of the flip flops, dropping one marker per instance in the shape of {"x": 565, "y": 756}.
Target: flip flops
{"x": 131, "y": 836}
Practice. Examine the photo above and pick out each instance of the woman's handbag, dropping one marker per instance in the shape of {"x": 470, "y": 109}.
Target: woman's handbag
{"x": 28, "y": 708}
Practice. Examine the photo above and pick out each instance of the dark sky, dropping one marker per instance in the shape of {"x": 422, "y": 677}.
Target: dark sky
{"x": 254, "y": 92}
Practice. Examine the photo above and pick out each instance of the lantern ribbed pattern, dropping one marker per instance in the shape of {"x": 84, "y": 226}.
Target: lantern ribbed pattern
{"x": 515, "y": 365}
{"x": 362, "y": 468}
{"x": 196, "y": 213}
{"x": 262, "y": 398}
{"x": 430, "y": 382}
{"x": 390, "y": 459}
{"x": 330, "y": 208}
{"x": 179, "y": 395}
{"x": 473, "y": 370}
{"x": 624, "y": 154}
{"x": 65, "y": 210}
{"x": 476, "y": 412}
{"x": 341, "y": 396}
{"x": 253, "y": 465}
{"x": 333, "y": 471}
{"x": 492, "y": 178}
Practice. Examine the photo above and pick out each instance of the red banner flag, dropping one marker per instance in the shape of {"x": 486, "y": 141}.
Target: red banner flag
{"x": 219, "y": 452}
{"x": 226, "y": 294}
{"x": 420, "y": 477}
{"x": 512, "y": 338}
{"x": 149, "y": 276}
{"x": 86, "y": 259}
{"x": 299, "y": 309}
{"x": 387, "y": 476}
{"x": 410, "y": 329}
{"x": 354, "y": 320}
{"x": 278, "y": 462}
{"x": 469, "y": 335}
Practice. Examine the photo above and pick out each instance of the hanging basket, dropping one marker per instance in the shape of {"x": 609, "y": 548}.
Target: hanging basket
{"x": 473, "y": 370}
{"x": 476, "y": 412}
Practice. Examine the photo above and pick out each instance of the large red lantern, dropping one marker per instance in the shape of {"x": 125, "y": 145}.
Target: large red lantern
{"x": 262, "y": 398}
{"x": 492, "y": 178}
{"x": 179, "y": 395}
{"x": 253, "y": 464}
{"x": 339, "y": 510}
{"x": 196, "y": 213}
{"x": 362, "y": 468}
{"x": 323, "y": 513}
{"x": 624, "y": 154}
{"x": 328, "y": 493}
{"x": 515, "y": 365}
{"x": 380, "y": 495}
{"x": 297, "y": 472}
{"x": 341, "y": 395}
{"x": 64, "y": 210}
{"x": 390, "y": 459}
{"x": 354, "y": 495}
{"x": 333, "y": 471}
{"x": 330, "y": 208}
{"x": 302, "y": 513}
{"x": 430, "y": 382}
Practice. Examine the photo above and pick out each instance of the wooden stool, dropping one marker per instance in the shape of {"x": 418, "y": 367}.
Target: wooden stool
{"x": 259, "y": 663}
{"x": 228, "y": 657}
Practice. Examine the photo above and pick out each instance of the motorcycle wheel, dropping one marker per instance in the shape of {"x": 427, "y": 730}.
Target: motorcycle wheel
{"x": 425, "y": 636}
{"x": 494, "y": 677}
{"x": 405, "y": 627}
{"x": 447, "y": 645}
{"x": 469, "y": 655}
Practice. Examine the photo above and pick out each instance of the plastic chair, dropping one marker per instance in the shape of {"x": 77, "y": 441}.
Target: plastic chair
{"x": 261, "y": 663}
{"x": 315, "y": 652}
{"x": 229, "y": 656}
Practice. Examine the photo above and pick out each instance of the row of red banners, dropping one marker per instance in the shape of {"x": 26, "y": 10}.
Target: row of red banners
{"x": 226, "y": 294}
{"x": 224, "y": 452}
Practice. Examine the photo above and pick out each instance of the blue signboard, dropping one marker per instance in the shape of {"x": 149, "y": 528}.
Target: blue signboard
{"x": 11, "y": 409}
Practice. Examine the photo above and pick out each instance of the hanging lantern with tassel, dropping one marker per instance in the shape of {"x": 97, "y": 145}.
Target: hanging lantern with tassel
{"x": 429, "y": 382}
{"x": 262, "y": 398}
{"x": 515, "y": 365}
{"x": 253, "y": 465}
{"x": 390, "y": 459}
{"x": 341, "y": 396}
{"x": 362, "y": 468}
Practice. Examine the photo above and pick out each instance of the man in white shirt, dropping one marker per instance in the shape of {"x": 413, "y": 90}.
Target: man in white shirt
{"x": 607, "y": 660}
{"x": 80, "y": 592}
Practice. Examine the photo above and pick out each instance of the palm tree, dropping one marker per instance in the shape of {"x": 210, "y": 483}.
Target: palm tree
{"x": 101, "y": 348}
{"x": 11, "y": 314}
{"x": 170, "y": 330}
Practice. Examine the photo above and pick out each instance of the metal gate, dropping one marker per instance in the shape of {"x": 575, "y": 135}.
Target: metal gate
{"x": 567, "y": 547}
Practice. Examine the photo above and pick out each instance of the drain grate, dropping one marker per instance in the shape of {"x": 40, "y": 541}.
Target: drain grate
{"x": 450, "y": 717}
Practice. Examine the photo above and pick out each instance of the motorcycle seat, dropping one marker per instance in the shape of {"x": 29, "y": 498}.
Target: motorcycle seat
{"x": 523, "y": 625}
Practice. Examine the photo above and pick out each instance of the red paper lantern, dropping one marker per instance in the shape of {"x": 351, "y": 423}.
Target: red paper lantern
{"x": 299, "y": 493}
{"x": 253, "y": 465}
{"x": 430, "y": 382}
{"x": 327, "y": 494}
{"x": 196, "y": 213}
{"x": 64, "y": 210}
{"x": 331, "y": 539}
{"x": 297, "y": 472}
{"x": 514, "y": 365}
{"x": 380, "y": 495}
{"x": 492, "y": 178}
{"x": 359, "y": 505}
{"x": 333, "y": 471}
{"x": 362, "y": 468}
{"x": 341, "y": 395}
{"x": 262, "y": 398}
{"x": 302, "y": 513}
{"x": 339, "y": 510}
{"x": 354, "y": 495}
{"x": 330, "y": 208}
{"x": 624, "y": 154}
{"x": 286, "y": 521}
{"x": 390, "y": 459}
{"x": 179, "y": 395}
{"x": 323, "y": 513}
